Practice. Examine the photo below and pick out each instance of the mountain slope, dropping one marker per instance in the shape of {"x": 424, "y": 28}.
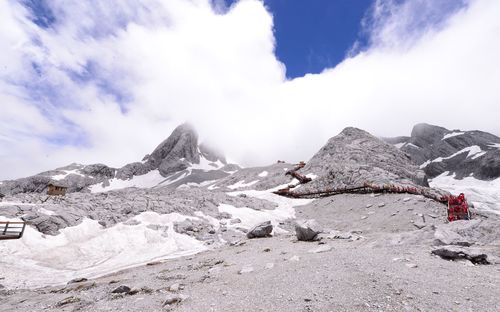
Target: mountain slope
{"x": 462, "y": 153}
{"x": 355, "y": 157}
{"x": 179, "y": 159}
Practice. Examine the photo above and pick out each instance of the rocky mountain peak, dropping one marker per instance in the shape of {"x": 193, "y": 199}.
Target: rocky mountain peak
{"x": 182, "y": 144}
{"x": 425, "y": 134}
{"x": 355, "y": 157}
{"x": 462, "y": 153}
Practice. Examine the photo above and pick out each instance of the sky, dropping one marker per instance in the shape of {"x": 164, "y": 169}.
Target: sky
{"x": 107, "y": 81}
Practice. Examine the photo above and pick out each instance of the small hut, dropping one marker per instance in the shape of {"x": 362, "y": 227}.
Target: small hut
{"x": 54, "y": 189}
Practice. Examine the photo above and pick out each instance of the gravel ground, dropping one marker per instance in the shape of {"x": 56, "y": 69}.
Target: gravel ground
{"x": 380, "y": 260}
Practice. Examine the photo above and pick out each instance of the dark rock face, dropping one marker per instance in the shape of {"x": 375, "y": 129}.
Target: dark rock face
{"x": 176, "y": 152}
{"x": 464, "y": 153}
{"x": 355, "y": 157}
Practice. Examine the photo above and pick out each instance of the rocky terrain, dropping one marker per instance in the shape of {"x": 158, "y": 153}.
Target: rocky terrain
{"x": 185, "y": 231}
{"x": 463, "y": 153}
{"x": 370, "y": 257}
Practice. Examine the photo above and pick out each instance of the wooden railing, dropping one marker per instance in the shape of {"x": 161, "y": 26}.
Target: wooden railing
{"x": 11, "y": 229}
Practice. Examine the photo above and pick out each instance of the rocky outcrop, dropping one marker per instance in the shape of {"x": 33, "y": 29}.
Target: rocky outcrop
{"x": 463, "y": 153}
{"x": 354, "y": 158}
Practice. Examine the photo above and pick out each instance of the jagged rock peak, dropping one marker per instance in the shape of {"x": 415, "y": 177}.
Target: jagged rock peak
{"x": 181, "y": 144}
{"x": 424, "y": 134}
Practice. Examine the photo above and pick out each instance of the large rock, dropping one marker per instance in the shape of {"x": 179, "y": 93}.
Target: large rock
{"x": 307, "y": 230}
{"x": 262, "y": 230}
{"x": 456, "y": 253}
{"x": 354, "y": 158}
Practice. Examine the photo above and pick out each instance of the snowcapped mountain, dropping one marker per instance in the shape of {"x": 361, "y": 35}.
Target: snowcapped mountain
{"x": 463, "y": 153}
{"x": 177, "y": 160}
{"x": 458, "y": 161}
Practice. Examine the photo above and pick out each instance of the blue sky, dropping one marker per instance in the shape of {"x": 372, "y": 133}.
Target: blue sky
{"x": 312, "y": 35}
{"x": 105, "y": 81}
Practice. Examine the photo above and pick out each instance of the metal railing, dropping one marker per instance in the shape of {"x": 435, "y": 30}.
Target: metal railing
{"x": 11, "y": 229}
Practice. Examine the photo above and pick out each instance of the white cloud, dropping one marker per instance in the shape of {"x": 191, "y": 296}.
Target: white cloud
{"x": 142, "y": 71}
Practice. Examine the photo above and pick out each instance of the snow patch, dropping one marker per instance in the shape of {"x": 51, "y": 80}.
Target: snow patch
{"x": 399, "y": 145}
{"x": 411, "y": 145}
{"x": 241, "y": 184}
{"x": 495, "y": 145}
{"x": 150, "y": 179}
{"x": 207, "y": 165}
{"x": 473, "y": 152}
{"x": 250, "y": 217}
{"x": 263, "y": 174}
{"x": 452, "y": 134}
{"x": 89, "y": 250}
{"x": 484, "y": 194}
{"x": 66, "y": 173}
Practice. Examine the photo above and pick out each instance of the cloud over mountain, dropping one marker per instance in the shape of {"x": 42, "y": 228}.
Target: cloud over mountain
{"x": 104, "y": 83}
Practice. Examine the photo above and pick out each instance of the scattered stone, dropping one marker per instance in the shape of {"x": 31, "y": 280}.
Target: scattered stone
{"x": 323, "y": 248}
{"x": 174, "y": 299}
{"x": 167, "y": 277}
{"x": 450, "y": 253}
{"x": 432, "y": 215}
{"x": 412, "y": 265}
{"x": 153, "y": 263}
{"x": 174, "y": 287}
{"x": 78, "y": 280}
{"x": 294, "y": 258}
{"x": 113, "y": 282}
{"x": 369, "y": 206}
{"x": 133, "y": 292}
{"x": 307, "y": 230}
{"x": 262, "y": 230}
{"x": 267, "y": 249}
{"x": 237, "y": 243}
{"x": 342, "y": 236}
{"x": 121, "y": 289}
{"x": 68, "y": 300}
{"x": 224, "y": 215}
{"x": 246, "y": 269}
{"x": 269, "y": 265}
{"x": 364, "y": 217}
{"x": 235, "y": 221}
{"x": 211, "y": 231}
{"x": 406, "y": 199}
{"x": 381, "y": 205}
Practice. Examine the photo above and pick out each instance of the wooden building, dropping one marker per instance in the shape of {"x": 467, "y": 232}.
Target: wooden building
{"x": 54, "y": 189}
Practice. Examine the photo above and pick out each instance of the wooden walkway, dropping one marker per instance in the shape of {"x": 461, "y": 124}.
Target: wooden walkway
{"x": 11, "y": 229}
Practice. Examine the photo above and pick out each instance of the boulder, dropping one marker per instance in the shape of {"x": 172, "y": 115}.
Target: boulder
{"x": 262, "y": 230}
{"x": 455, "y": 253}
{"x": 121, "y": 289}
{"x": 307, "y": 230}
